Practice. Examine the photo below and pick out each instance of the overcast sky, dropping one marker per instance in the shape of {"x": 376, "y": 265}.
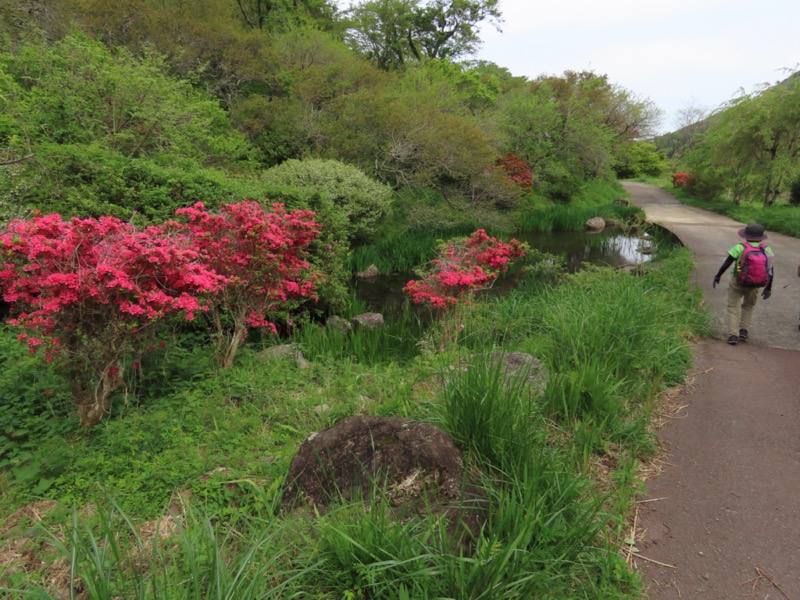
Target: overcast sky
{"x": 676, "y": 53}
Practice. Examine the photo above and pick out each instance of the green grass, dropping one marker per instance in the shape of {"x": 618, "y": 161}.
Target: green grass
{"x": 215, "y": 446}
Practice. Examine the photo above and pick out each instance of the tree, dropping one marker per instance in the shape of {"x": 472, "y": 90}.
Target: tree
{"x": 691, "y": 122}
{"x": 277, "y": 15}
{"x": 394, "y": 32}
{"x": 571, "y": 128}
{"x": 751, "y": 148}
{"x": 638, "y": 159}
{"x": 449, "y": 28}
{"x": 78, "y": 92}
{"x": 90, "y": 292}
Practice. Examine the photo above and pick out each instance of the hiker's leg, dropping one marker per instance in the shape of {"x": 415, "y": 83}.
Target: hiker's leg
{"x": 749, "y": 298}
{"x": 734, "y": 308}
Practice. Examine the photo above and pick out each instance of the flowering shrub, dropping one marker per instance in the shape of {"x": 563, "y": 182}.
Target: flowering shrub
{"x": 517, "y": 170}
{"x": 86, "y": 292}
{"x": 461, "y": 268}
{"x": 680, "y": 180}
{"x": 262, "y": 256}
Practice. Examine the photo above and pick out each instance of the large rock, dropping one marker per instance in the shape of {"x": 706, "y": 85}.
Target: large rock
{"x": 371, "y": 272}
{"x": 595, "y": 224}
{"x": 414, "y": 466}
{"x": 339, "y": 324}
{"x": 284, "y": 351}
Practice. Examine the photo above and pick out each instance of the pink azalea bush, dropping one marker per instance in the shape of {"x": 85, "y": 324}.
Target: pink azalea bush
{"x": 680, "y": 180}
{"x": 89, "y": 292}
{"x": 263, "y": 256}
{"x": 463, "y": 267}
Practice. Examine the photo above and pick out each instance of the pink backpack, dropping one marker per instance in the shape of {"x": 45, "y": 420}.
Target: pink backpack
{"x": 753, "y": 267}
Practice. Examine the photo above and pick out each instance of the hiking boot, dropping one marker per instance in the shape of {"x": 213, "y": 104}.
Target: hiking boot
{"x": 733, "y": 340}
{"x": 743, "y": 335}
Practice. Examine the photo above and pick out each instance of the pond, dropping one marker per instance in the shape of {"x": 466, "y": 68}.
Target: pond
{"x": 576, "y": 249}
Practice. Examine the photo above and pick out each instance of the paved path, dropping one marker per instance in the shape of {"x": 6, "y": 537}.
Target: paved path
{"x": 725, "y": 512}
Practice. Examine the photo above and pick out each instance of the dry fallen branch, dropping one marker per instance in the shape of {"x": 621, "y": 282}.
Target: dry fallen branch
{"x": 652, "y": 560}
{"x": 760, "y": 574}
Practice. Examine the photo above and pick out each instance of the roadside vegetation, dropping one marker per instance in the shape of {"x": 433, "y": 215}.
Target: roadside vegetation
{"x": 163, "y": 134}
{"x": 742, "y": 160}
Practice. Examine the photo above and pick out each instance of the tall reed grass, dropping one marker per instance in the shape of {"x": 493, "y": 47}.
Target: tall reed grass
{"x": 405, "y": 251}
{"x": 570, "y": 217}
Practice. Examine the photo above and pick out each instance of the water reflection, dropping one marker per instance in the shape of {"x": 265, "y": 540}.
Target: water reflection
{"x": 607, "y": 248}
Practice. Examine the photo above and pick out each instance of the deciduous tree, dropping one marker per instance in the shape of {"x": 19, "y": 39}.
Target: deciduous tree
{"x": 394, "y": 32}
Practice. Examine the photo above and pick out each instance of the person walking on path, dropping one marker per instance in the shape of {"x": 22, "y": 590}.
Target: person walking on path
{"x": 721, "y": 518}
{"x": 752, "y": 271}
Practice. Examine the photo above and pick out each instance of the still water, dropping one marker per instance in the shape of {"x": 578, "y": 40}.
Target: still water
{"x": 576, "y": 249}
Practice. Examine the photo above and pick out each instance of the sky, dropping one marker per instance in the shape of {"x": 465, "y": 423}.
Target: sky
{"x": 677, "y": 54}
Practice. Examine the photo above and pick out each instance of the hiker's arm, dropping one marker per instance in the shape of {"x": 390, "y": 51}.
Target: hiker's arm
{"x": 729, "y": 260}
{"x": 768, "y": 287}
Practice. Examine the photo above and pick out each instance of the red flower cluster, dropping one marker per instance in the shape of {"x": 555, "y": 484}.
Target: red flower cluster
{"x": 517, "y": 170}
{"x": 89, "y": 288}
{"x": 63, "y": 272}
{"x": 261, "y": 254}
{"x": 462, "y": 268}
{"x": 680, "y": 179}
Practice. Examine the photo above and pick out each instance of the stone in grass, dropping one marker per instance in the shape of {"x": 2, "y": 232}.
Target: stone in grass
{"x": 368, "y": 320}
{"x": 514, "y": 366}
{"x": 595, "y": 224}
{"x": 285, "y": 350}
{"x": 414, "y": 466}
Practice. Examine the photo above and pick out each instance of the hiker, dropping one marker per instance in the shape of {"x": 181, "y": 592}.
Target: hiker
{"x": 752, "y": 271}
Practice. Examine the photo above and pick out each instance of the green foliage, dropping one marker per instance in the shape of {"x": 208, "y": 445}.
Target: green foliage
{"x": 90, "y": 181}
{"x": 78, "y": 92}
{"x": 347, "y": 200}
{"x": 35, "y": 413}
{"x": 394, "y": 33}
{"x": 749, "y": 151}
{"x": 395, "y": 341}
{"x": 403, "y": 253}
{"x": 639, "y": 159}
{"x": 366, "y": 551}
{"x": 491, "y": 414}
{"x": 573, "y": 217}
{"x": 794, "y": 192}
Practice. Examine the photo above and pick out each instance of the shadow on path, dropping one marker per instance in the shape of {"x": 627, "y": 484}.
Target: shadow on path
{"x": 722, "y": 519}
